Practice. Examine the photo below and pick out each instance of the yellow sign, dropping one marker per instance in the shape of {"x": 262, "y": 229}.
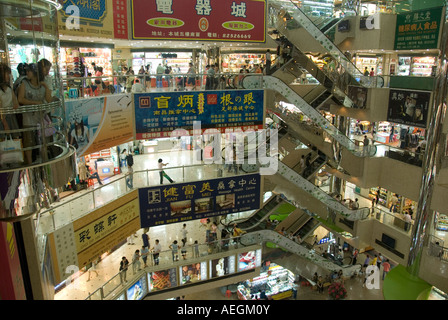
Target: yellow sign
{"x": 238, "y": 25}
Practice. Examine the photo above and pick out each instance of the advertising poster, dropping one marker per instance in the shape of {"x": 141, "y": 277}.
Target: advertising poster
{"x": 158, "y": 114}
{"x": 95, "y": 124}
{"x": 165, "y": 204}
{"x": 222, "y": 267}
{"x": 409, "y": 107}
{"x": 193, "y": 273}
{"x": 163, "y": 279}
{"x": 358, "y": 95}
{"x": 138, "y": 290}
{"x": 418, "y": 29}
{"x": 97, "y": 18}
{"x": 246, "y": 261}
{"x": 224, "y": 20}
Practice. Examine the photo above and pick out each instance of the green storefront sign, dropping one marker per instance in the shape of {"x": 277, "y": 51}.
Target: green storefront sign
{"x": 418, "y": 29}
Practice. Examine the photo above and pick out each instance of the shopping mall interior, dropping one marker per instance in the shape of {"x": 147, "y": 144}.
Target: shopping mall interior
{"x": 223, "y": 150}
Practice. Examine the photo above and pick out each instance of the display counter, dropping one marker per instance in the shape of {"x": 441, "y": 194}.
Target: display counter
{"x": 150, "y": 146}
{"x": 277, "y": 283}
{"x": 382, "y": 137}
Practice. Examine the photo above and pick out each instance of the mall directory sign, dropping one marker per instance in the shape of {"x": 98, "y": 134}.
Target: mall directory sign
{"x": 418, "y": 29}
{"x": 223, "y": 20}
{"x": 177, "y": 202}
{"x": 158, "y": 114}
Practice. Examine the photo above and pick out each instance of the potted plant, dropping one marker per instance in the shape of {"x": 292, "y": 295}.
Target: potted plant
{"x": 337, "y": 291}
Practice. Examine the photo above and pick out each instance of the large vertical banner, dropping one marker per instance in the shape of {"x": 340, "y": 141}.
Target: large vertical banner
{"x": 409, "y": 107}
{"x": 223, "y": 20}
{"x": 157, "y": 114}
{"x": 418, "y": 29}
{"x": 12, "y": 287}
{"x": 99, "y": 123}
{"x": 165, "y": 204}
{"x": 95, "y": 18}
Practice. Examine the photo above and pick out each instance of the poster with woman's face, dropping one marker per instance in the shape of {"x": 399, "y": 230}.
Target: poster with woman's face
{"x": 409, "y": 107}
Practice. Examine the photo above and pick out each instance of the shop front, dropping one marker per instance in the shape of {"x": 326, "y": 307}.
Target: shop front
{"x": 276, "y": 283}
{"x": 421, "y": 66}
{"x": 178, "y": 61}
{"x": 234, "y": 62}
{"x": 374, "y": 62}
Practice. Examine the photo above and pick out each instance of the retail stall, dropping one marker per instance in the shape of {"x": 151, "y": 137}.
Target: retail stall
{"x": 105, "y": 161}
{"x": 442, "y": 222}
{"x": 175, "y": 60}
{"x": 416, "y": 66}
{"x": 28, "y": 53}
{"x": 369, "y": 62}
{"x": 277, "y": 283}
{"x": 234, "y": 62}
{"x": 72, "y": 57}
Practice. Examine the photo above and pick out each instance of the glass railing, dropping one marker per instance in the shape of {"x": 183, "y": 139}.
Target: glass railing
{"x": 394, "y": 220}
{"x": 60, "y": 215}
{"x": 193, "y": 254}
{"x": 82, "y": 87}
{"x": 42, "y": 139}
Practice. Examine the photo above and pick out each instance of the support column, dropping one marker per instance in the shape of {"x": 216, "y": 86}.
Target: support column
{"x": 431, "y": 159}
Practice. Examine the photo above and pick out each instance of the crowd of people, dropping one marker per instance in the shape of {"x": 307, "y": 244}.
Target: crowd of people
{"x": 33, "y": 86}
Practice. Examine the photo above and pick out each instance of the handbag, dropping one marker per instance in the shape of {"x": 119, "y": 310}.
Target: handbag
{"x": 11, "y": 151}
{"x": 48, "y": 125}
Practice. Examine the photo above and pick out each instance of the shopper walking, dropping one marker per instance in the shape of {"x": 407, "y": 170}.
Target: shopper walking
{"x": 191, "y": 76}
{"x": 268, "y": 62}
{"x": 130, "y": 174}
{"x": 136, "y": 261}
{"x": 93, "y": 268}
{"x": 124, "y": 263}
{"x": 379, "y": 261}
{"x": 184, "y": 233}
{"x": 366, "y": 145}
{"x": 145, "y": 239}
{"x": 196, "y": 249}
{"x": 144, "y": 252}
{"x": 174, "y": 250}
{"x": 162, "y": 173}
{"x": 386, "y": 268}
{"x": 156, "y": 252}
{"x": 355, "y": 256}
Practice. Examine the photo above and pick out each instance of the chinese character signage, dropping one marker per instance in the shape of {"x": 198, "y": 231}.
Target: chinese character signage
{"x": 179, "y": 202}
{"x": 99, "y": 123}
{"x": 97, "y": 18}
{"x": 418, "y": 29}
{"x": 223, "y": 20}
{"x": 408, "y": 107}
{"x": 158, "y": 114}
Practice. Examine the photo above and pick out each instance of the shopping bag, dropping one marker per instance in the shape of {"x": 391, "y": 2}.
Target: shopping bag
{"x": 49, "y": 129}
{"x": 11, "y": 151}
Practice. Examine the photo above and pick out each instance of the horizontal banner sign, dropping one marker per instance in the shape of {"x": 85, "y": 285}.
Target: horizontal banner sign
{"x": 179, "y": 202}
{"x": 223, "y": 20}
{"x": 157, "y": 114}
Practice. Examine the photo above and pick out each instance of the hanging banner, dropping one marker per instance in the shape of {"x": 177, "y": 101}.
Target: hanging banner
{"x": 223, "y": 20}
{"x": 94, "y": 18}
{"x": 77, "y": 244}
{"x": 99, "y": 123}
{"x": 418, "y": 29}
{"x": 408, "y": 107}
{"x": 179, "y": 202}
{"x": 158, "y": 114}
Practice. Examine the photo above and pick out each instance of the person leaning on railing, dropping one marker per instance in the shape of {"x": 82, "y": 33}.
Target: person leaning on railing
{"x": 8, "y": 101}
{"x": 32, "y": 91}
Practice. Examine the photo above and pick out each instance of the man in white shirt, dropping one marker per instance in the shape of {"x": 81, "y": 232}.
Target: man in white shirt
{"x": 156, "y": 251}
{"x": 137, "y": 87}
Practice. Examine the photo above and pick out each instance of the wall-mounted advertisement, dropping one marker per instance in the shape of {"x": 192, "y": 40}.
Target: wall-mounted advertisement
{"x": 138, "y": 290}
{"x": 224, "y": 20}
{"x": 418, "y": 29}
{"x": 177, "y": 202}
{"x": 158, "y": 114}
{"x": 99, "y": 123}
{"x": 222, "y": 266}
{"x": 358, "y": 95}
{"x": 249, "y": 260}
{"x": 163, "y": 279}
{"x": 193, "y": 273}
{"x": 409, "y": 107}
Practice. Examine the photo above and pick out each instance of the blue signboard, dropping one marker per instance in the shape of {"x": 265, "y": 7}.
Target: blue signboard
{"x": 157, "y": 114}
{"x": 179, "y": 202}
{"x": 89, "y": 10}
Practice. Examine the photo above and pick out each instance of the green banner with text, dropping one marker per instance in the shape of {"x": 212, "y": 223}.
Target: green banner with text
{"x": 418, "y": 29}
